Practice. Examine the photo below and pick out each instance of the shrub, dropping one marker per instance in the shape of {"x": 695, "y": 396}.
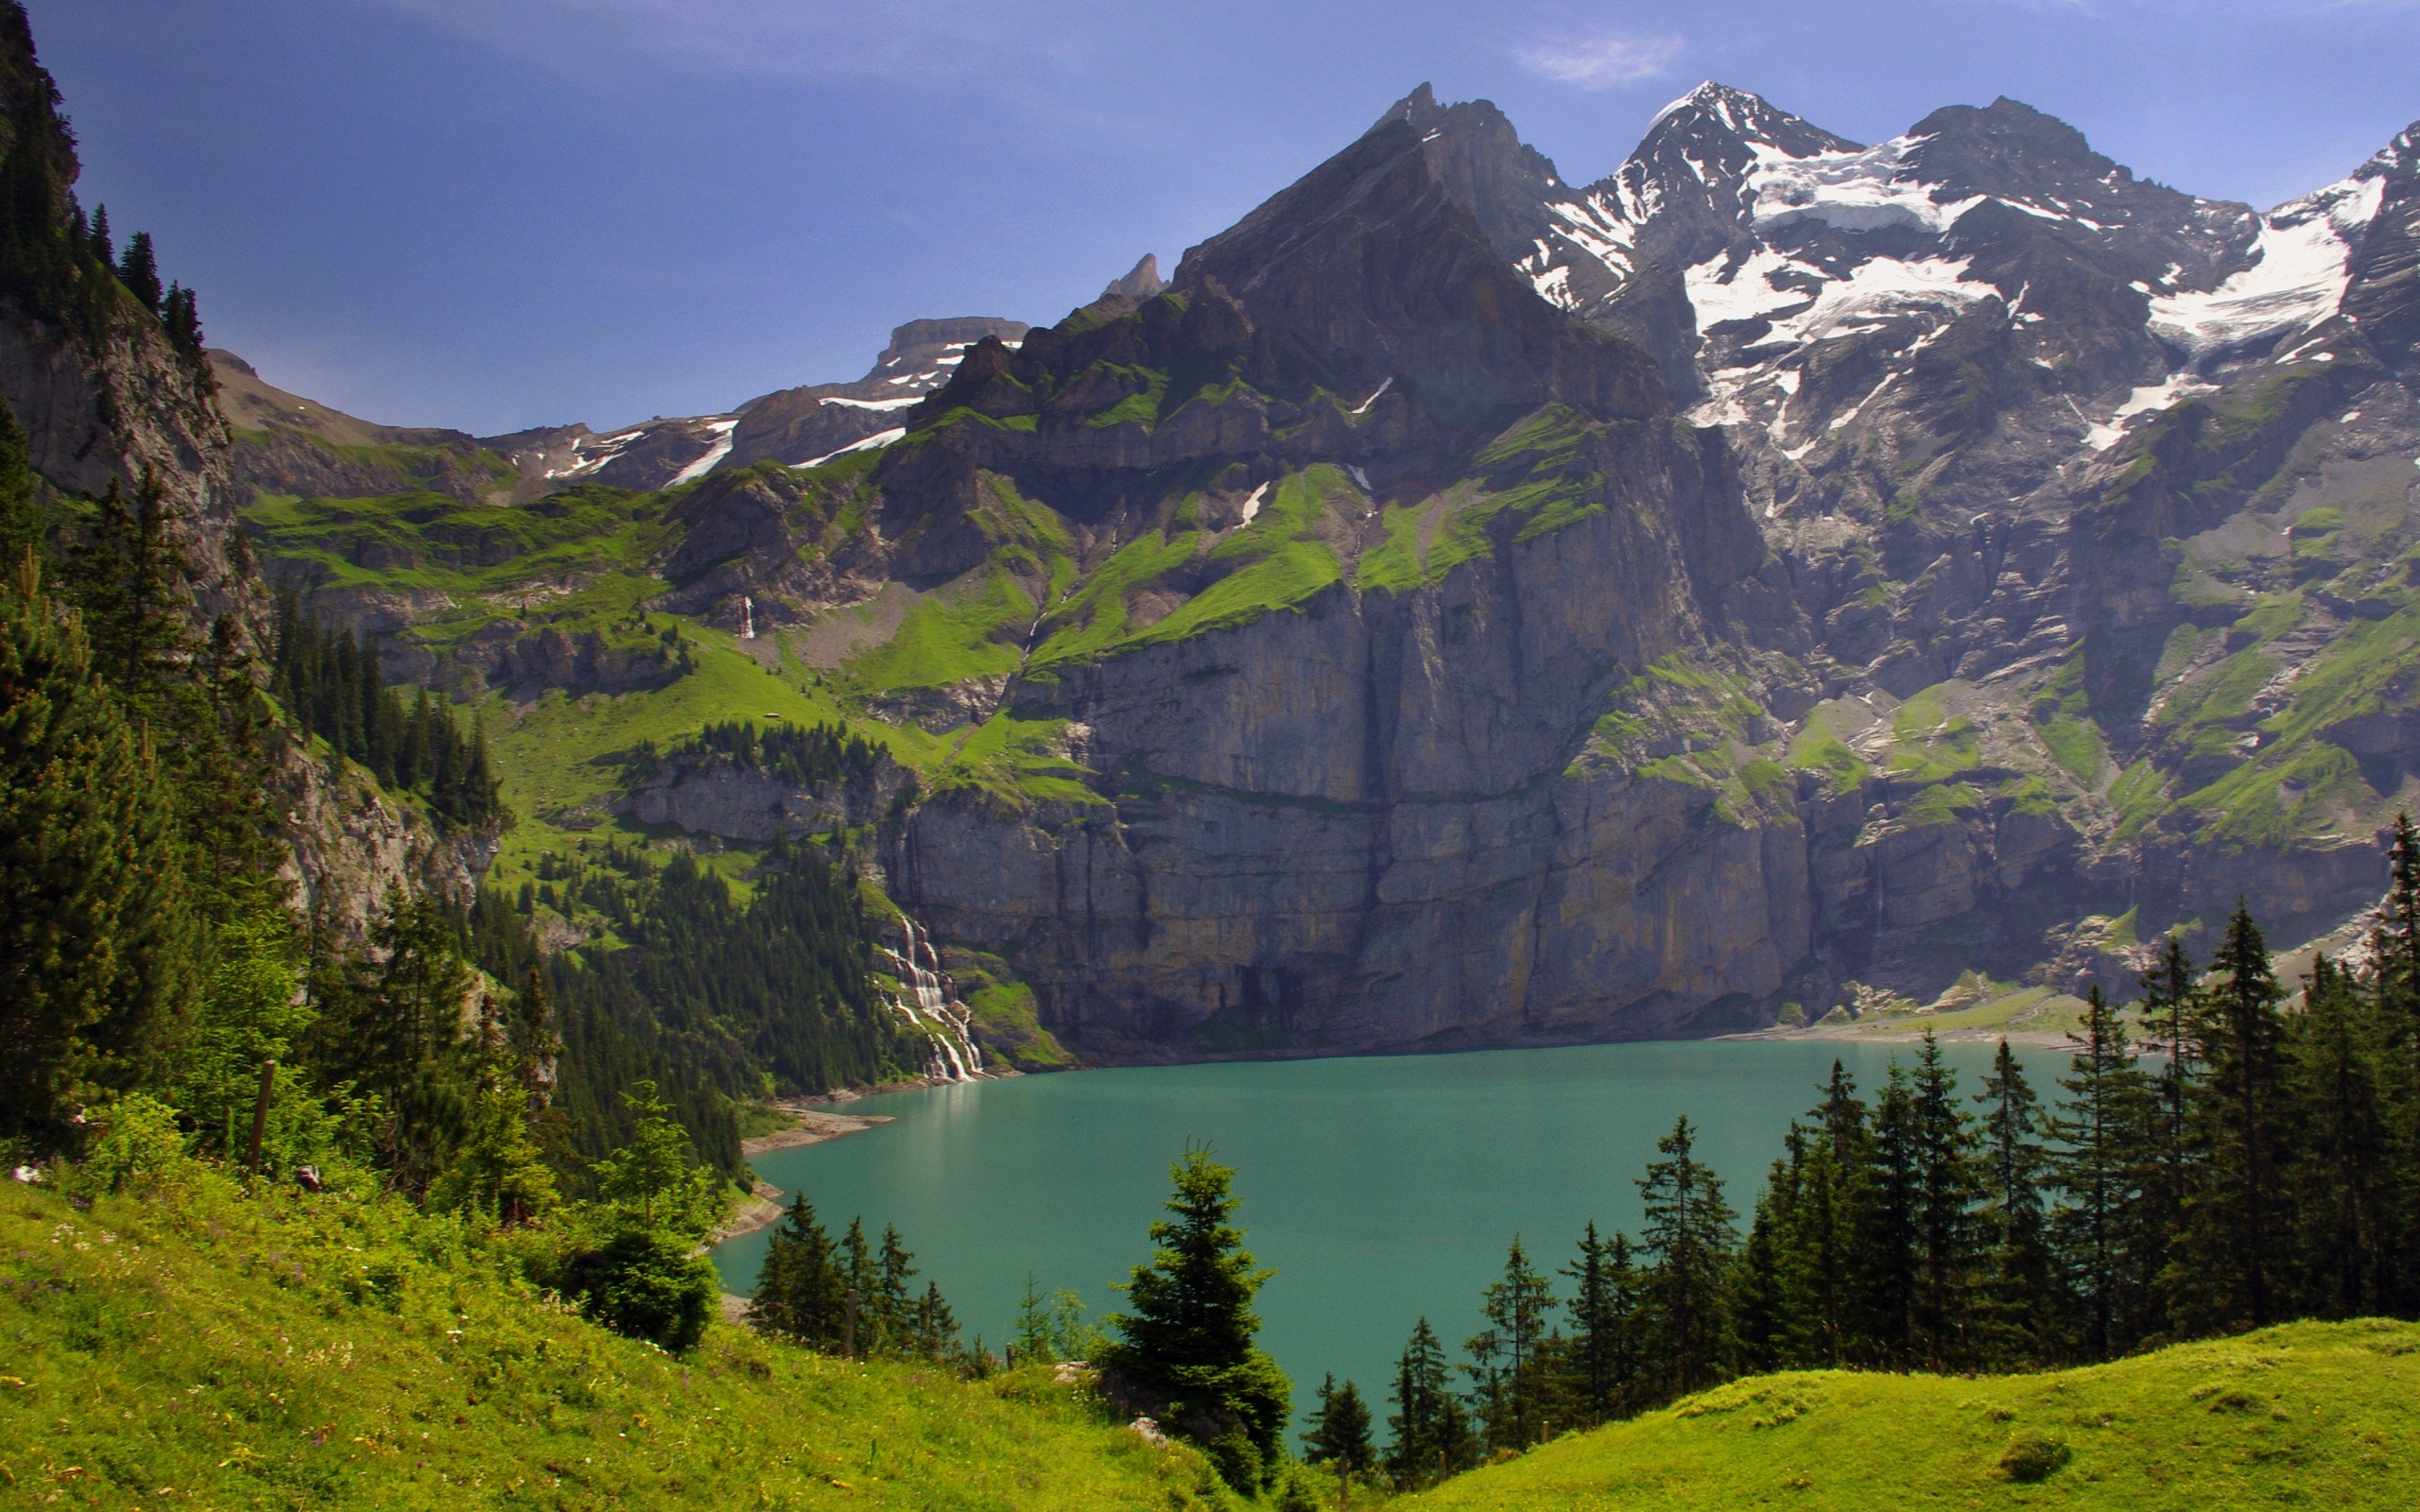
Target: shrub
{"x": 2033, "y": 1456}
{"x": 140, "y": 1150}
{"x": 649, "y": 1286}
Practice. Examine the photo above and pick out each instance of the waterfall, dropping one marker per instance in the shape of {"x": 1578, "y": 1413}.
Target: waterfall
{"x": 947, "y": 1023}
{"x": 747, "y": 618}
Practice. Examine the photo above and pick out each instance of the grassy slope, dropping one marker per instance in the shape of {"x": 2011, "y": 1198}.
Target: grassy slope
{"x": 290, "y": 1352}
{"x": 2306, "y": 1415}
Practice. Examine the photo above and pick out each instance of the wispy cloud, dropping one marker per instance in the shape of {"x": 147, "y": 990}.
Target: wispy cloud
{"x": 1600, "y": 60}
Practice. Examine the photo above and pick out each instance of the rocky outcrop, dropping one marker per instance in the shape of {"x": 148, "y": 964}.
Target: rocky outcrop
{"x": 352, "y": 847}
{"x": 710, "y": 795}
{"x": 1354, "y": 644}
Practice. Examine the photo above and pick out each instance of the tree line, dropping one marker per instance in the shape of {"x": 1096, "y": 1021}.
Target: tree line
{"x": 852, "y": 1297}
{"x": 60, "y": 266}
{"x": 718, "y": 1002}
{"x": 331, "y": 686}
{"x": 815, "y": 757}
{"x": 2212, "y": 1161}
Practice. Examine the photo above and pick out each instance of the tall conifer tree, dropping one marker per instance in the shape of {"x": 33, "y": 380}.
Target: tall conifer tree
{"x": 2018, "y": 1323}
{"x": 1689, "y": 1232}
{"x": 1432, "y": 1436}
{"x": 1506, "y": 1365}
{"x": 2105, "y": 1127}
{"x": 2237, "y": 1216}
{"x": 1188, "y": 1332}
{"x": 2345, "y": 1237}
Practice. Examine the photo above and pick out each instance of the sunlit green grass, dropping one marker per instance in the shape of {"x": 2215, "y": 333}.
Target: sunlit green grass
{"x": 2312, "y": 1414}
{"x": 225, "y": 1351}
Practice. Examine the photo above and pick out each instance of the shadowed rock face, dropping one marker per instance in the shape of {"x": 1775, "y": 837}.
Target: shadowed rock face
{"x": 1783, "y": 571}
{"x": 1392, "y": 817}
{"x": 1354, "y": 825}
{"x": 1377, "y": 261}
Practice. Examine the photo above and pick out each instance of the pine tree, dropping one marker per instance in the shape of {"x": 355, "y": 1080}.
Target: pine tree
{"x": 889, "y": 1311}
{"x": 934, "y": 1331}
{"x": 2394, "y": 996}
{"x": 103, "y": 247}
{"x": 1506, "y": 1366}
{"x": 800, "y": 1291}
{"x": 1947, "y": 1183}
{"x": 124, "y": 574}
{"x": 2345, "y": 1240}
{"x": 1759, "y": 1315}
{"x": 96, "y": 947}
{"x": 2172, "y": 1014}
{"x": 1339, "y": 1434}
{"x": 1888, "y": 1243}
{"x": 1821, "y": 1260}
{"x": 139, "y": 270}
{"x": 390, "y": 1022}
{"x": 2105, "y": 1128}
{"x": 857, "y": 1275}
{"x": 1189, "y": 1334}
{"x": 654, "y": 1180}
{"x": 491, "y": 1165}
{"x": 1602, "y": 1363}
{"x": 25, "y": 516}
{"x": 2018, "y": 1320}
{"x": 1431, "y": 1434}
{"x": 1688, "y": 1233}
{"x": 2238, "y": 1213}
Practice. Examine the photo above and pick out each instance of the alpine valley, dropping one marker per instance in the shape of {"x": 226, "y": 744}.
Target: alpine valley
{"x": 1462, "y": 607}
{"x": 1790, "y": 587}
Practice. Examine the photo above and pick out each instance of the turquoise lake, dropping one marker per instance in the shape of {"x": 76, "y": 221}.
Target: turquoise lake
{"x": 1378, "y": 1189}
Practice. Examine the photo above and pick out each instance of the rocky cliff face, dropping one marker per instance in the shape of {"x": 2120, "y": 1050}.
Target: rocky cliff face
{"x": 1461, "y": 607}
{"x": 1399, "y": 818}
{"x": 108, "y": 401}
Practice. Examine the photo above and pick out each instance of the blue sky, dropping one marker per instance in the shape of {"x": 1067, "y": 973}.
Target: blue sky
{"x": 492, "y": 213}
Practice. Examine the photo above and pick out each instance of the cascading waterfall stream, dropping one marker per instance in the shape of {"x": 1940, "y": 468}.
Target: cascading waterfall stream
{"x": 947, "y": 1023}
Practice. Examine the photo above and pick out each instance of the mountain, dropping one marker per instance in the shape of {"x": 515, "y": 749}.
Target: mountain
{"x": 286, "y": 444}
{"x": 1463, "y": 608}
{"x": 112, "y": 399}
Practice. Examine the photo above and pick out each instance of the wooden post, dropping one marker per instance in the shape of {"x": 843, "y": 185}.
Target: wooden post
{"x": 260, "y": 1115}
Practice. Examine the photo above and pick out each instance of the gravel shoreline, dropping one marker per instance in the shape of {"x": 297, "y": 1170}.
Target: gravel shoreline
{"x": 763, "y": 1205}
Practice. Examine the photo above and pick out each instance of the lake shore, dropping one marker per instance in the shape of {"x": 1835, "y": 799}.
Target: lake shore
{"x": 813, "y": 1126}
{"x": 1911, "y": 1033}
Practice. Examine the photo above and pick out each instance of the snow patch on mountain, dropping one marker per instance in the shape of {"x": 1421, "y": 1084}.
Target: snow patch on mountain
{"x": 2143, "y": 399}
{"x": 608, "y": 448}
{"x": 2301, "y": 264}
{"x": 872, "y": 443}
{"x": 1875, "y": 291}
{"x": 722, "y": 429}
{"x": 1863, "y": 191}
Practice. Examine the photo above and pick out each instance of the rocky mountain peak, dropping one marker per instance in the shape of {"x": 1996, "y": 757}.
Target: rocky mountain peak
{"x": 1393, "y": 260}
{"x": 1716, "y": 116}
{"x": 1142, "y": 282}
{"x": 920, "y": 345}
{"x": 1484, "y": 166}
{"x": 2010, "y": 151}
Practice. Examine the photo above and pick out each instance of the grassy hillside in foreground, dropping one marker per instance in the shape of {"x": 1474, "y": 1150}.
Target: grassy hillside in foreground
{"x": 293, "y": 1352}
{"x": 2308, "y": 1415}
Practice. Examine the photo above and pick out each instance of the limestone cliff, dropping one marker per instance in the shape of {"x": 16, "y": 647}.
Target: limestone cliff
{"x": 1463, "y": 608}
{"x": 109, "y": 400}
